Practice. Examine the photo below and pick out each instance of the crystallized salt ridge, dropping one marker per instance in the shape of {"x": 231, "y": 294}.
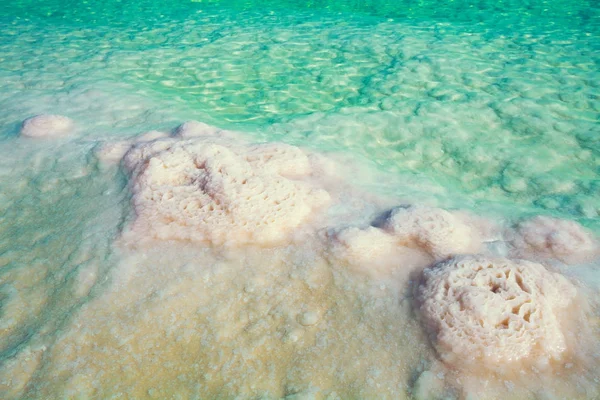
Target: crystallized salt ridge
{"x": 555, "y": 238}
{"x": 208, "y": 188}
{"x": 46, "y": 125}
{"x": 494, "y": 312}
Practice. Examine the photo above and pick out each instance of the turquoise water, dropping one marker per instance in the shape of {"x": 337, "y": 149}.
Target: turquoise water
{"x": 487, "y": 106}
{"x": 421, "y": 87}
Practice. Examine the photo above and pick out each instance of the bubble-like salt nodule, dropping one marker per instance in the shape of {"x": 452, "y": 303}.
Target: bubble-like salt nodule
{"x": 494, "y": 312}
{"x": 209, "y": 189}
{"x": 46, "y": 125}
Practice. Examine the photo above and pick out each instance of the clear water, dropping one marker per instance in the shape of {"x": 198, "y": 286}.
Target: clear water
{"x": 487, "y": 106}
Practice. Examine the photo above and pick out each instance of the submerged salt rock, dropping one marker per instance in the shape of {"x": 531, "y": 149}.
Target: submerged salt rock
{"x": 561, "y": 239}
{"x": 494, "y": 312}
{"x": 210, "y": 190}
{"x": 435, "y": 230}
{"x": 46, "y": 125}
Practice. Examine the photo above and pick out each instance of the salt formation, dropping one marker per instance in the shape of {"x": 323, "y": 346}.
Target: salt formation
{"x": 46, "y": 125}
{"x": 494, "y": 312}
{"x": 406, "y": 239}
{"x": 433, "y": 231}
{"x": 213, "y": 189}
{"x": 437, "y": 231}
{"x": 561, "y": 239}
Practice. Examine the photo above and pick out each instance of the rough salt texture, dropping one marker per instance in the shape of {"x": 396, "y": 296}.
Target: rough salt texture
{"x": 435, "y": 230}
{"x": 494, "y": 312}
{"x": 46, "y": 125}
{"x": 178, "y": 322}
{"x": 209, "y": 189}
{"x": 554, "y": 238}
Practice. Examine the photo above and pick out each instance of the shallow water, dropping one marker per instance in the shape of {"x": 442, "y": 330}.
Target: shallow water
{"x": 488, "y": 107}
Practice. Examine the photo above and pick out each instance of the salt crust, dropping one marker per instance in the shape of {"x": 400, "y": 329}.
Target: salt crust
{"x": 494, "y": 312}
{"x": 46, "y": 125}
{"x": 200, "y": 163}
{"x": 210, "y": 188}
{"x": 561, "y": 239}
{"x": 201, "y": 184}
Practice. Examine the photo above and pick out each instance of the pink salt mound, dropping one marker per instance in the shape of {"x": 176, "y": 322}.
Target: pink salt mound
{"x": 494, "y": 313}
{"x": 211, "y": 189}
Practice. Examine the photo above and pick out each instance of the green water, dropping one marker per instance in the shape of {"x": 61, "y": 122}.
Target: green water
{"x": 499, "y": 97}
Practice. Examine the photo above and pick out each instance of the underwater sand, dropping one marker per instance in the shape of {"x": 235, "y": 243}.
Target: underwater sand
{"x": 486, "y": 109}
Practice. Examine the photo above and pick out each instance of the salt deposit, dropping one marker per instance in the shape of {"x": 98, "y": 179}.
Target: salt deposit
{"x": 209, "y": 190}
{"x": 223, "y": 229}
{"x": 495, "y": 313}
{"x": 45, "y": 125}
{"x": 554, "y": 238}
{"x": 406, "y": 239}
{"x": 437, "y": 231}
